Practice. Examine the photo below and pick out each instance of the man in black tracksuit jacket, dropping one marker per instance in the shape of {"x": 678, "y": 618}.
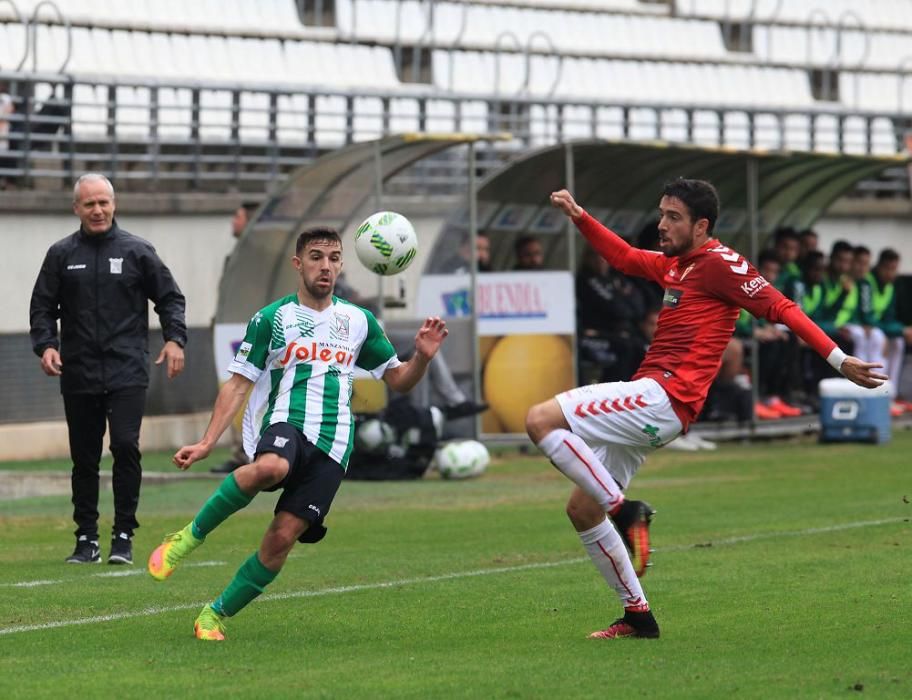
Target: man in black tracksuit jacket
{"x": 98, "y": 282}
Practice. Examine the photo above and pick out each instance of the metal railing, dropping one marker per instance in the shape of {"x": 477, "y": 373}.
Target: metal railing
{"x": 191, "y": 134}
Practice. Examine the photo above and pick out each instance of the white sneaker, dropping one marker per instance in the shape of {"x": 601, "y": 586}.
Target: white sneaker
{"x": 702, "y": 443}
{"x": 684, "y": 443}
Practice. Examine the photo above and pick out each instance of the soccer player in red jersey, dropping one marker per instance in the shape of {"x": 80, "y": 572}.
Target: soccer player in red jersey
{"x": 599, "y": 435}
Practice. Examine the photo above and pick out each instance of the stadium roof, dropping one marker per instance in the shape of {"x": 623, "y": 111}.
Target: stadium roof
{"x": 329, "y": 192}
{"x": 620, "y": 182}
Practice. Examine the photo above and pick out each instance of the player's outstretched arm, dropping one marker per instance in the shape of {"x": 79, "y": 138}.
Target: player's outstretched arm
{"x": 862, "y": 373}
{"x": 428, "y": 340}
{"x": 563, "y": 200}
{"x": 227, "y": 403}
{"x": 783, "y": 310}
{"x": 609, "y": 245}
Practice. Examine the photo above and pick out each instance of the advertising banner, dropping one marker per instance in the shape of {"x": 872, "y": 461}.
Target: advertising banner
{"x": 526, "y": 323}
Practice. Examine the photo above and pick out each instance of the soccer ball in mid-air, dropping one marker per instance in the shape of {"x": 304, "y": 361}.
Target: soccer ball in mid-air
{"x": 374, "y": 436}
{"x": 386, "y": 243}
{"x": 462, "y": 459}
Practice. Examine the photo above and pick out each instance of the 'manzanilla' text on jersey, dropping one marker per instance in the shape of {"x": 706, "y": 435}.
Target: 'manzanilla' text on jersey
{"x": 302, "y": 363}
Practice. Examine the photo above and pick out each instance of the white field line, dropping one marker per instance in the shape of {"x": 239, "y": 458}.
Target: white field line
{"x": 785, "y": 533}
{"x": 147, "y": 612}
{"x": 105, "y": 574}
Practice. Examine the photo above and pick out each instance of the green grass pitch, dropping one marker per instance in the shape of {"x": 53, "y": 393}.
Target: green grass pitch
{"x": 782, "y": 571}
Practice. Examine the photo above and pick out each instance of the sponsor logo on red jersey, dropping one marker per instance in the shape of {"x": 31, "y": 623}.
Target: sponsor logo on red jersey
{"x": 672, "y": 298}
{"x": 753, "y": 286}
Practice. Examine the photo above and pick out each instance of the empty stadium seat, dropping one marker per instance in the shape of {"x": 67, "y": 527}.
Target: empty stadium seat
{"x": 884, "y": 137}
{"x": 441, "y": 116}
{"x": 293, "y": 119}
{"x": 162, "y": 44}
{"x": 90, "y": 111}
{"x": 826, "y": 133}
{"x": 12, "y": 45}
{"x": 889, "y": 14}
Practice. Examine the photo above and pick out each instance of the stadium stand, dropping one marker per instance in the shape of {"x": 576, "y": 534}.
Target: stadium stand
{"x": 250, "y": 90}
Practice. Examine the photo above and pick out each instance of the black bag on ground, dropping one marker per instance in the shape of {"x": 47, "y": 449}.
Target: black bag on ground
{"x": 410, "y": 453}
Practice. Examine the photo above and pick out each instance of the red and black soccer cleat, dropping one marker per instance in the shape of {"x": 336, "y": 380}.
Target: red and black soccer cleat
{"x": 632, "y": 521}
{"x": 633, "y": 624}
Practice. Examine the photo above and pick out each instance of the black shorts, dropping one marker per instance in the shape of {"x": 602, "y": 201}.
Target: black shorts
{"x": 312, "y": 480}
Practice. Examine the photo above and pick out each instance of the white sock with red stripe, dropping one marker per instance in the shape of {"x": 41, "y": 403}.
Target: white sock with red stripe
{"x": 608, "y": 553}
{"x": 576, "y": 460}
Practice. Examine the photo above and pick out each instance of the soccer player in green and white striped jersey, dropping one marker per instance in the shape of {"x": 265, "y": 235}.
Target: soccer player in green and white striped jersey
{"x": 298, "y": 355}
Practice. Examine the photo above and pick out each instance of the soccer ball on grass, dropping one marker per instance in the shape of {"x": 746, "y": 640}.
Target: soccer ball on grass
{"x": 462, "y": 459}
{"x": 386, "y": 243}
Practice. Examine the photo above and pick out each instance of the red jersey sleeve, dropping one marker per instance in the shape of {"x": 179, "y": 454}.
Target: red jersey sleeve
{"x": 739, "y": 283}
{"x": 622, "y": 255}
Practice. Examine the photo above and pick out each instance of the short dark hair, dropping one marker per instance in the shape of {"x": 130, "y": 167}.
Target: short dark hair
{"x": 841, "y": 246}
{"x": 317, "y": 233}
{"x": 523, "y": 241}
{"x": 811, "y": 259}
{"x": 786, "y": 233}
{"x": 768, "y": 256}
{"x": 807, "y": 233}
{"x": 699, "y": 196}
{"x": 887, "y": 255}
{"x": 861, "y": 250}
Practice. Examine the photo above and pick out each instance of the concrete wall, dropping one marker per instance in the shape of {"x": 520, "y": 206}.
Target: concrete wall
{"x": 872, "y": 223}
{"x": 192, "y": 246}
{"x": 874, "y": 232}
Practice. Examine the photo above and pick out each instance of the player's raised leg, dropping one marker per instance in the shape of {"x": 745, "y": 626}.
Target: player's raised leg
{"x": 550, "y": 431}
{"x": 233, "y": 494}
{"x": 572, "y": 455}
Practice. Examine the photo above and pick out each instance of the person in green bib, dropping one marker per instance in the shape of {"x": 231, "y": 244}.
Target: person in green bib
{"x": 777, "y": 349}
{"x": 807, "y": 290}
{"x": 785, "y": 249}
{"x": 808, "y": 293}
{"x": 840, "y": 295}
{"x": 297, "y": 362}
{"x": 868, "y": 339}
{"x": 807, "y": 242}
{"x": 883, "y": 306}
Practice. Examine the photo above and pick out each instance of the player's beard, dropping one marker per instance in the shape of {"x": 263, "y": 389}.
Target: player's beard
{"x": 680, "y": 248}
{"x": 318, "y": 292}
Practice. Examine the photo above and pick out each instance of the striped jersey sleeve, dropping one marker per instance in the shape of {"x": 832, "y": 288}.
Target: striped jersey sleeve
{"x": 377, "y": 354}
{"x": 252, "y": 354}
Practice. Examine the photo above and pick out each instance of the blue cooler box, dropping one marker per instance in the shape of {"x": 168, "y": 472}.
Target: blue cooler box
{"x": 850, "y": 413}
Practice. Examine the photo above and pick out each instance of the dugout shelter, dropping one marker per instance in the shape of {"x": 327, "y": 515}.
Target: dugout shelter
{"x": 618, "y": 182}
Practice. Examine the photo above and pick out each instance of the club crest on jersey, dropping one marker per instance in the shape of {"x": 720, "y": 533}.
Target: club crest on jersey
{"x": 672, "y": 298}
{"x": 339, "y": 328}
{"x": 116, "y": 265}
{"x": 687, "y": 271}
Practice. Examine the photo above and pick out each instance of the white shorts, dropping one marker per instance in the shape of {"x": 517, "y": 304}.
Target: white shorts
{"x": 622, "y": 422}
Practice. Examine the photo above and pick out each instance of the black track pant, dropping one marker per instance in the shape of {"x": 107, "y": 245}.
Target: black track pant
{"x": 86, "y": 415}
